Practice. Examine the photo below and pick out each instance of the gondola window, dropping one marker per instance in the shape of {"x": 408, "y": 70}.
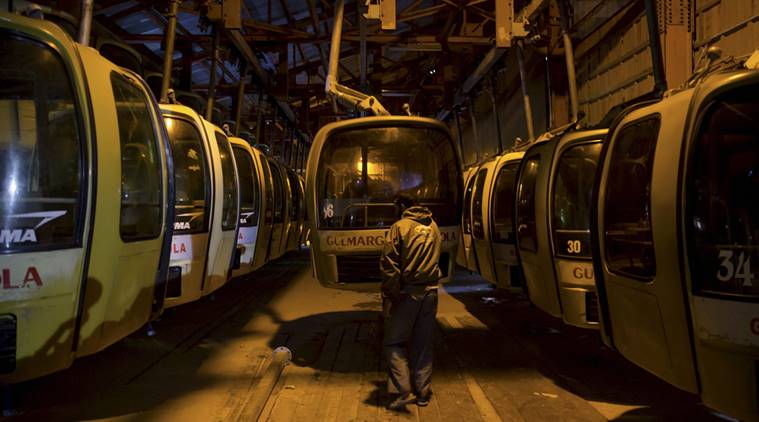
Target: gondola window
{"x": 190, "y": 175}
{"x": 141, "y": 205}
{"x": 503, "y": 204}
{"x": 248, "y": 188}
{"x": 527, "y": 236}
{"x": 628, "y": 236}
{"x": 229, "y": 187}
{"x": 573, "y": 190}
{"x": 722, "y": 220}
{"x": 41, "y": 149}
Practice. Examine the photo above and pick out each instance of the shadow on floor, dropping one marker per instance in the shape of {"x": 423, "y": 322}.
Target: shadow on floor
{"x": 574, "y": 358}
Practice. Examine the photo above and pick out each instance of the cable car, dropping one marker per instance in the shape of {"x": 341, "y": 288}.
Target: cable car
{"x": 266, "y": 228}
{"x": 465, "y": 255}
{"x": 200, "y": 219}
{"x": 280, "y": 214}
{"x": 224, "y": 255}
{"x": 553, "y": 223}
{"x": 251, "y": 188}
{"x": 355, "y": 170}
{"x": 492, "y": 219}
{"x": 305, "y": 233}
{"x": 676, "y": 224}
{"x": 296, "y": 211}
{"x": 87, "y": 203}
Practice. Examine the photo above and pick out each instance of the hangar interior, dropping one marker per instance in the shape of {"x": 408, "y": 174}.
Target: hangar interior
{"x": 198, "y": 195}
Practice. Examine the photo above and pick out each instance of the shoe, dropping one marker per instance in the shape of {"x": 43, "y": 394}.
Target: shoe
{"x": 401, "y": 401}
{"x": 423, "y": 401}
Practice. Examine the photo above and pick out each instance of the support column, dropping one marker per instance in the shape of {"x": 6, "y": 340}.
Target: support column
{"x": 212, "y": 76}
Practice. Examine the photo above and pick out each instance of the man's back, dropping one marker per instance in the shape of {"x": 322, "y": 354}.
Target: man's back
{"x": 412, "y": 251}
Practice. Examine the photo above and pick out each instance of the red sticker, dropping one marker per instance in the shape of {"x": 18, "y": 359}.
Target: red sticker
{"x": 755, "y": 326}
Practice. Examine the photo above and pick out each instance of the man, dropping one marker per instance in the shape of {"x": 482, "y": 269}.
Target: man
{"x": 409, "y": 264}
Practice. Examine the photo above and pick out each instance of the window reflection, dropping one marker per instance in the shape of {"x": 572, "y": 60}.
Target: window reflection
{"x": 40, "y": 148}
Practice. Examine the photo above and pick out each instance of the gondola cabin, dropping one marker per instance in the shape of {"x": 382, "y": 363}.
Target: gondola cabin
{"x": 356, "y": 168}
{"x": 492, "y": 220}
{"x": 223, "y": 254}
{"x": 87, "y": 200}
{"x": 195, "y": 174}
{"x": 251, "y": 188}
{"x": 676, "y": 224}
{"x": 553, "y": 224}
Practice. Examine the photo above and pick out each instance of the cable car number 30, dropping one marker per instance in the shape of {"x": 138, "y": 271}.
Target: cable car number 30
{"x": 734, "y": 267}
{"x": 574, "y": 246}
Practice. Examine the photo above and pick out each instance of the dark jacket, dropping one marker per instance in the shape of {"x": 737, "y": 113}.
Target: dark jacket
{"x": 411, "y": 253}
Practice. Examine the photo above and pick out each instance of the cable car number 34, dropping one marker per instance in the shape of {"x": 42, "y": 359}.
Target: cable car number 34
{"x": 734, "y": 267}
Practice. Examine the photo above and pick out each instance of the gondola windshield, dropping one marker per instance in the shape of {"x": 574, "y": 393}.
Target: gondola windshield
{"x": 229, "y": 203}
{"x": 573, "y": 189}
{"x": 248, "y": 188}
{"x": 363, "y": 170}
{"x": 503, "y": 204}
{"x": 627, "y": 212}
{"x": 40, "y": 149}
{"x": 723, "y": 197}
{"x": 141, "y": 205}
{"x": 191, "y": 176}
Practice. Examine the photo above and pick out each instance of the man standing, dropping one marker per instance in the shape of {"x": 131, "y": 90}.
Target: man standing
{"x": 409, "y": 264}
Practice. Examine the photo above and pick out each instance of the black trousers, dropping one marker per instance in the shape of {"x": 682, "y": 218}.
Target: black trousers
{"x": 409, "y": 342}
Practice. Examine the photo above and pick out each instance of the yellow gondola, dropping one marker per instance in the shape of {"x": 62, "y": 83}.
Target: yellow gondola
{"x": 355, "y": 169}
{"x": 199, "y": 211}
{"x": 251, "y": 204}
{"x": 492, "y": 219}
{"x": 87, "y": 201}
{"x": 553, "y": 224}
{"x": 675, "y": 235}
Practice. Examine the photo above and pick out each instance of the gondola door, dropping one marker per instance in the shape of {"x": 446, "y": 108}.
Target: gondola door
{"x": 643, "y": 301}
{"x": 532, "y": 227}
{"x": 721, "y": 227}
{"x": 132, "y": 199}
{"x": 502, "y": 221}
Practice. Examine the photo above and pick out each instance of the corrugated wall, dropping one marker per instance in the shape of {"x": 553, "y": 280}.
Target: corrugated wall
{"x": 613, "y": 62}
{"x": 733, "y": 25}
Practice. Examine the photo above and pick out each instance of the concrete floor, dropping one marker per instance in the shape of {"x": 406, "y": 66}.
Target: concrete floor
{"x": 497, "y": 359}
